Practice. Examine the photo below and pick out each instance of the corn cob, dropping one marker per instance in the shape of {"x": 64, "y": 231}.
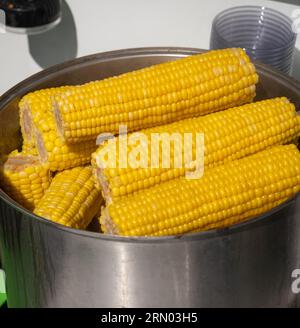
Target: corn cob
{"x": 27, "y": 147}
{"x": 39, "y": 131}
{"x": 60, "y": 155}
{"x": 227, "y": 194}
{"x": 24, "y": 178}
{"x": 156, "y": 95}
{"x": 228, "y": 135}
{"x": 71, "y": 200}
{"x": 31, "y": 108}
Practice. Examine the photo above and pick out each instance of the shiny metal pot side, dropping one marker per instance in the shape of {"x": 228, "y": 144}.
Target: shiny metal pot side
{"x": 48, "y": 265}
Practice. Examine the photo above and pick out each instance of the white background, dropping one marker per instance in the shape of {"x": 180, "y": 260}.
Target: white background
{"x": 103, "y": 25}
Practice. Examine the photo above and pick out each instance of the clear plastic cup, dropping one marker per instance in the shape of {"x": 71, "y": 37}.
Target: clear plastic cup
{"x": 265, "y": 34}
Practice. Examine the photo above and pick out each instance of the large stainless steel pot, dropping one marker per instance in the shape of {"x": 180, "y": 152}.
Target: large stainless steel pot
{"x": 48, "y": 265}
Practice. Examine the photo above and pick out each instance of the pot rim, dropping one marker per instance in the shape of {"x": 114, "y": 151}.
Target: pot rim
{"x": 130, "y": 53}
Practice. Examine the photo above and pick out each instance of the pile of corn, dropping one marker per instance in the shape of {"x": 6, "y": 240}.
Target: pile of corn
{"x": 251, "y": 161}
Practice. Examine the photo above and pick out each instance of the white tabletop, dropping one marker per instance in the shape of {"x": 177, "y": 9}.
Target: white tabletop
{"x": 103, "y": 25}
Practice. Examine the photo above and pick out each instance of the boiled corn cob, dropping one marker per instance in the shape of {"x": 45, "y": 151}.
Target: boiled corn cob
{"x": 227, "y": 194}
{"x": 24, "y": 178}
{"x": 228, "y": 135}
{"x": 56, "y": 152}
{"x": 71, "y": 200}
{"x": 156, "y": 95}
{"x": 39, "y": 131}
{"x": 32, "y": 107}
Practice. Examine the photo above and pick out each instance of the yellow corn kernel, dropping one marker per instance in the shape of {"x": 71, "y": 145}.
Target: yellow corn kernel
{"x": 156, "y": 95}
{"x": 24, "y": 178}
{"x": 72, "y": 199}
{"x": 227, "y": 194}
{"x": 228, "y": 135}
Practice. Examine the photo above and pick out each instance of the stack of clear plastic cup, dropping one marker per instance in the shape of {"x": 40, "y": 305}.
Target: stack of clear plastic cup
{"x": 266, "y": 34}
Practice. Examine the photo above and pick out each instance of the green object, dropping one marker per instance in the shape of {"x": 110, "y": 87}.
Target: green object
{"x": 2, "y": 288}
{"x": 2, "y": 299}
